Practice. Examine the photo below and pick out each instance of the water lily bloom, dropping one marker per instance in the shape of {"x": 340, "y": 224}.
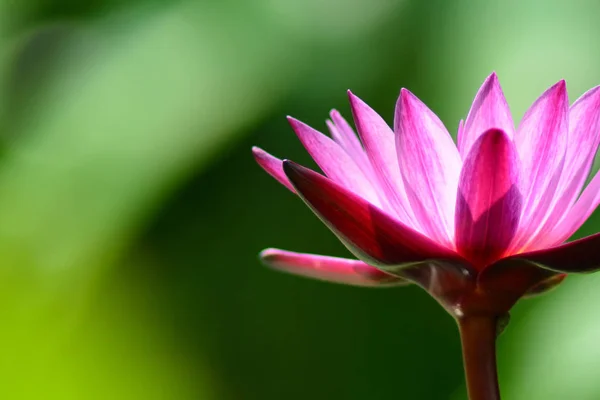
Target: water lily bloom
{"x": 413, "y": 206}
{"x": 479, "y": 224}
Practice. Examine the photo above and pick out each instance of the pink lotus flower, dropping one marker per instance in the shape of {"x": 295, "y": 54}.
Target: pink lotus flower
{"x": 478, "y": 224}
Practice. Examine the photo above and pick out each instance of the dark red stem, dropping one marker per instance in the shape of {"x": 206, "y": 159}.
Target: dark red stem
{"x": 478, "y": 336}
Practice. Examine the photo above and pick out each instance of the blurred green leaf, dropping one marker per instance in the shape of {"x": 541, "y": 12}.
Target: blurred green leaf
{"x": 553, "y": 352}
{"x": 132, "y": 109}
{"x": 136, "y": 103}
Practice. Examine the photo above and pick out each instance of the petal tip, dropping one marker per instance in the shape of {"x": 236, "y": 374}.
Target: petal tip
{"x": 267, "y": 255}
{"x": 355, "y": 101}
{"x": 405, "y": 101}
{"x": 299, "y": 127}
{"x": 560, "y": 87}
{"x": 258, "y": 153}
{"x": 351, "y": 96}
{"x": 491, "y": 83}
{"x": 272, "y": 165}
{"x": 290, "y": 167}
{"x": 292, "y": 170}
{"x": 494, "y": 136}
{"x": 496, "y": 132}
{"x": 272, "y": 258}
{"x": 557, "y": 94}
{"x": 407, "y": 97}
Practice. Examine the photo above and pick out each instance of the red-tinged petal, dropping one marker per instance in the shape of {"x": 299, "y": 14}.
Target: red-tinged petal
{"x": 488, "y": 204}
{"x": 541, "y": 142}
{"x": 489, "y": 110}
{"x": 582, "y": 255}
{"x": 430, "y": 166}
{"x": 509, "y": 279}
{"x": 378, "y": 140}
{"x": 369, "y": 233}
{"x": 330, "y": 269}
{"x": 334, "y": 161}
{"x": 273, "y": 166}
{"x": 584, "y": 137}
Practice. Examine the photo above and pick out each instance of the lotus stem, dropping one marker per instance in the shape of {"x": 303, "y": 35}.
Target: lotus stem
{"x": 478, "y": 337}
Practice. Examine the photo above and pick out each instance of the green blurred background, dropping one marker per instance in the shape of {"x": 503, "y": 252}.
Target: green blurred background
{"x": 132, "y": 212}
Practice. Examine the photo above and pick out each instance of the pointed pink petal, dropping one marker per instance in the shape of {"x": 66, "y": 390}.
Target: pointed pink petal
{"x": 330, "y": 269}
{"x": 334, "y": 161}
{"x": 430, "y": 166}
{"x": 584, "y": 137}
{"x": 528, "y": 233}
{"x": 541, "y": 142}
{"x": 273, "y": 166}
{"x": 378, "y": 139}
{"x": 582, "y": 255}
{"x": 343, "y": 134}
{"x": 576, "y": 216}
{"x": 335, "y": 133}
{"x": 346, "y": 137}
{"x": 367, "y": 232}
{"x": 489, "y": 110}
{"x": 489, "y": 202}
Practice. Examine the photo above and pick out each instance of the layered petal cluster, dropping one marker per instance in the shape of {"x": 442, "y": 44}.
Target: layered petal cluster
{"x": 406, "y": 198}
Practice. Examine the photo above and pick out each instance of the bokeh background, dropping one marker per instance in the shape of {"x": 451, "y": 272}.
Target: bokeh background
{"x": 132, "y": 212}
